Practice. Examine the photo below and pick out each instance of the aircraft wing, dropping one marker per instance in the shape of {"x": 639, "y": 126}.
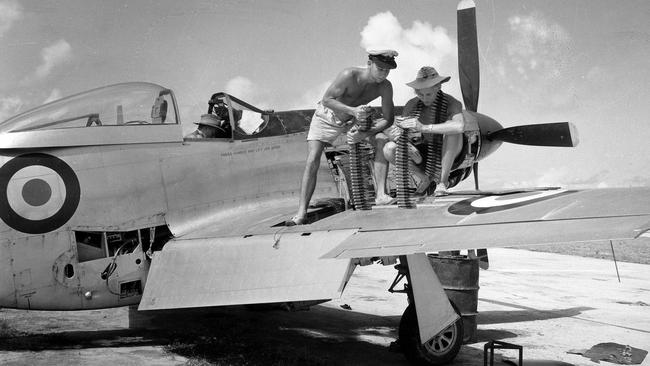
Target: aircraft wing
{"x": 244, "y": 259}
{"x": 494, "y": 220}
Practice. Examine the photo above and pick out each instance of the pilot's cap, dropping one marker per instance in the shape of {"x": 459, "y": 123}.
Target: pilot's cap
{"x": 427, "y": 77}
{"x": 383, "y": 58}
{"x": 209, "y": 120}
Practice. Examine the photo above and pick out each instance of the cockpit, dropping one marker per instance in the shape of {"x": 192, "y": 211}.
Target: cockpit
{"x": 78, "y": 119}
{"x": 115, "y": 105}
{"x": 139, "y": 112}
{"x": 229, "y": 117}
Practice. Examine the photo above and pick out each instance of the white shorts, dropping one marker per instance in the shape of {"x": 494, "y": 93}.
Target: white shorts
{"x": 325, "y": 126}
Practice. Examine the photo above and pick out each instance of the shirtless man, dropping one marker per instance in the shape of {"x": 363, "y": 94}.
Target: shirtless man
{"x": 342, "y": 105}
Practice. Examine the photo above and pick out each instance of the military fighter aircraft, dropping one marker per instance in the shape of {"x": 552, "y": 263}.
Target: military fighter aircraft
{"x": 103, "y": 203}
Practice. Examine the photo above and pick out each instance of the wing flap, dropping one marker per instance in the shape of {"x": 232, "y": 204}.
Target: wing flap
{"x": 246, "y": 270}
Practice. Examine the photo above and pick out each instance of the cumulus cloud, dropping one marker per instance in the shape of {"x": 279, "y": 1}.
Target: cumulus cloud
{"x": 309, "y": 99}
{"x": 248, "y": 91}
{"x": 241, "y": 87}
{"x": 418, "y": 45}
{"x": 10, "y": 12}
{"x": 53, "y": 55}
{"x": 9, "y": 106}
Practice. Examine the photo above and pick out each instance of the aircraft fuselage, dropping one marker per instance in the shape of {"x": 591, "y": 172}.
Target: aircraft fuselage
{"x": 72, "y": 204}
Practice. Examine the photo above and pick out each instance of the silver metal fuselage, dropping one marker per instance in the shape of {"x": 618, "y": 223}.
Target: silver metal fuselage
{"x": 160, "y": 181}
{"x": 184, "y": 185}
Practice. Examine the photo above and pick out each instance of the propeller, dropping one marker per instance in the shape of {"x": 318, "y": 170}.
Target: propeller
{"x": 468, "y": 68}
{"x": 562, "y": 134}
{"x": 469, "y": 75}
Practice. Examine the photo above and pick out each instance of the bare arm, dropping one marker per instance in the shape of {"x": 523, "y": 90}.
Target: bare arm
{"x": 387, "y": 109}
{"x": 455, "y": 125}
{"x": 337, "y": 90}
{"x": 379, "y": 124}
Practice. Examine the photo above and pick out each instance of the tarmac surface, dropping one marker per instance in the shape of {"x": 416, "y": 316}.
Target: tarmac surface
{"x": 547, "y": 303}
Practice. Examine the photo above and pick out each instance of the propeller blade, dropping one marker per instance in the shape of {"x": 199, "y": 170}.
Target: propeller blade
{"x": 468, "y": 68}
{"x": 475, "y": 169}
{"x": 562, "y": 134}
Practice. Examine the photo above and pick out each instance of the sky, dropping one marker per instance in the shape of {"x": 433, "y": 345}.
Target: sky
{"x": 583, "y": 61}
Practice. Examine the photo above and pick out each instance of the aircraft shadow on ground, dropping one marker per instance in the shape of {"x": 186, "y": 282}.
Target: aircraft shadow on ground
{"x": 81, "y": 340}
{"x": 486, "y": 335}
{"x": 322, "y": 335}
{"x": 525, "y": 313}
{"x": 319, "y": 336}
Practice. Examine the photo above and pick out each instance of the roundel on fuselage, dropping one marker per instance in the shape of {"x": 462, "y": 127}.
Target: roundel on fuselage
{"x": 39, "y": 193}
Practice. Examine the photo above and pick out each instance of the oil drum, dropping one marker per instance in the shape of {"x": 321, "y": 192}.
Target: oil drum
{"x": 459, "y": 278}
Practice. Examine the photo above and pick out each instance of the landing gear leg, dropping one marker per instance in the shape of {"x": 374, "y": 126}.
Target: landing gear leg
{"x": 439, "y": 350}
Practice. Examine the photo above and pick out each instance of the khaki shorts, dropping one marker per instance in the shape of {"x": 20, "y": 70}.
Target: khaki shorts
{"x": 325, "y": 126}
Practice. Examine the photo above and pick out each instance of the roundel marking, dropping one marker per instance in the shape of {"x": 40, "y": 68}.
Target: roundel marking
{"x": 22, "y": 197}
{"x": 36, "y": 192}
{"x": 495, "y": 201}
{"x": 489, "y": 204}
{"x": 36, "y": 204}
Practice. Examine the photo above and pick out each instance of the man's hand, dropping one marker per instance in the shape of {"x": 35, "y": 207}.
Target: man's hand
{"x": 378, "y": 122}
{"x": 408, "y": 123}
{"x": 361, "y": 112}
{"x": 355, "y": 135}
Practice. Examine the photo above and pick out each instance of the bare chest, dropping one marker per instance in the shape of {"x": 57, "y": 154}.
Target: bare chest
{"x": 360, "y": 94}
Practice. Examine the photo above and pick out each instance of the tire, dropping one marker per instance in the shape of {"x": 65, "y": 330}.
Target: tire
{"x": 441, "y": 350}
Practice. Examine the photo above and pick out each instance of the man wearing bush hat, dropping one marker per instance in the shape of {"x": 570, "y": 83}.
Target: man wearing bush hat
{"x": 210, "y": 126}
{"x": 421, "y": 118}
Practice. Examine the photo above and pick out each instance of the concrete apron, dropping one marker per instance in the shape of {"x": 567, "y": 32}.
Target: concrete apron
{"x": 559, "y": 302}
{"x": 548, "y": 303}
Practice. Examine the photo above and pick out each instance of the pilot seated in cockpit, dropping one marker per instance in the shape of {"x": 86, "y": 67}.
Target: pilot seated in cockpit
{"x": 221, "y": 111}
{"x": 211, "y": 126}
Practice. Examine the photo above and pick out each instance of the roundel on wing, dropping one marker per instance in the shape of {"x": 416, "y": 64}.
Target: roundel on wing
{"x": 39, "y": 193}
{"x": 488, "y": 204}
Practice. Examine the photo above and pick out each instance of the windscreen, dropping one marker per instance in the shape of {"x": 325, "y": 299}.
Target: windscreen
{"x": 120, "y": 104}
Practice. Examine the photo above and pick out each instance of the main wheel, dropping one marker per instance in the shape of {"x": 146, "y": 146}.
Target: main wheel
{"x": 442, "y": 349}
